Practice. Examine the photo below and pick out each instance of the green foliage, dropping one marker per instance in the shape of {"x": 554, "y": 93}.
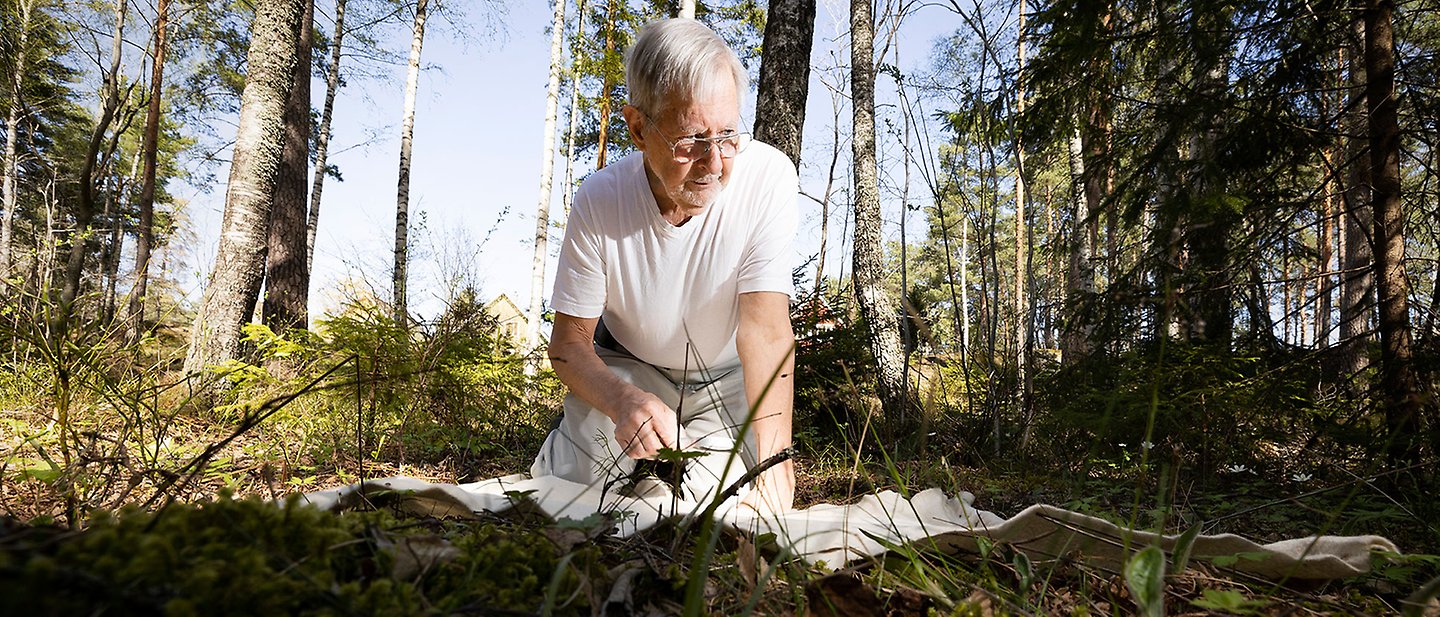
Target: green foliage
{"x": 251, "y": 557}
{"x": 425, "y": 392}
{"x": 1210, "y": 407}
{"x": 834, "y": 375}
{"x": 1145, "y": 576}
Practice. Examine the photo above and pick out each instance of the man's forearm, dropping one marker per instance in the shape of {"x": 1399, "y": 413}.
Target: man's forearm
{"x": 766, "y": 344}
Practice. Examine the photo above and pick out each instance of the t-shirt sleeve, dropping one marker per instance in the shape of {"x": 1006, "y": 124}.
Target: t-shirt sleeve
{"x": 580, "y": 273}
{"x": 767, "y": 263}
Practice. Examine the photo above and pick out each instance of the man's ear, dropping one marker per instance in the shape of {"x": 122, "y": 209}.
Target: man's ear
{"x": 636, "y": 121}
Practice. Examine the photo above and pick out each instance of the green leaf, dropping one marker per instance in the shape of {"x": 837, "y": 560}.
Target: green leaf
{"x": 1229, "y": 601}
{"x": 1183, "y": 545}
{"x": 1145, "y": 576}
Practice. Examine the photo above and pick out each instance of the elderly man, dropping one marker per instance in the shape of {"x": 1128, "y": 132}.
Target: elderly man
{"x": 672, "y": 326}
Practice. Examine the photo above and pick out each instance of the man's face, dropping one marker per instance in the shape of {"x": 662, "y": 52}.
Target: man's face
{"x": 686, "y": 189}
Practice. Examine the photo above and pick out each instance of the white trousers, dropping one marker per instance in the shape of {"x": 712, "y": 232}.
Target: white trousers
{"x": 712, "y": 407}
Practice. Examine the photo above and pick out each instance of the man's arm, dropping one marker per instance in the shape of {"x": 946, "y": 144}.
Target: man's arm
{"x": 766, "y": 344}
{"x": 643, "y": 424}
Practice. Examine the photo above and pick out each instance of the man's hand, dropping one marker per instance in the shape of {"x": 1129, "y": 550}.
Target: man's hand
{"x": 644, "y": 425}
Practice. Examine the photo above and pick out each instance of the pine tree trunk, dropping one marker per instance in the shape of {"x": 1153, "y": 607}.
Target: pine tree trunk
{"x": 1398, "y": 386}
{"x": 876, "y": 306}
{"x": 234, "y": 284}
{"x": 287, "y": 274}
{"x": 607, "y": 89}
{"x": 15, "y": 111}
{"x": 145, "y": 234}
{"x": 1357, "y": 287}
{"x": 785, "y": 75}
{"x": 322, "y": 136}
{"x": 402, "y": 198}
{"x": 547, "y": 170}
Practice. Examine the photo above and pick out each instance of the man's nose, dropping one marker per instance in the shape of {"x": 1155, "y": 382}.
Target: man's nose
{"x": 711, "y": 159}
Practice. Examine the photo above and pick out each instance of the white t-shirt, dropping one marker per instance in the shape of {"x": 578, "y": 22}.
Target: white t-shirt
{"x": 657, "y": 285}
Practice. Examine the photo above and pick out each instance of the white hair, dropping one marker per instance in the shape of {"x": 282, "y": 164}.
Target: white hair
{"x": 677, "y": 60}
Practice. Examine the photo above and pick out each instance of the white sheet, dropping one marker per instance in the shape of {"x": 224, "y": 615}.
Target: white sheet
{"x": 838, "y": 534}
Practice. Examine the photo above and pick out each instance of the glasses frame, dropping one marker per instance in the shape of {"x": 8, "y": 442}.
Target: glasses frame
{"x": 742, "y": 138}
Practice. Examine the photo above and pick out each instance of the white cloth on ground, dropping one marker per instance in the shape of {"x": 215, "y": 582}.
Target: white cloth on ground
{"x": 838, "y": 534}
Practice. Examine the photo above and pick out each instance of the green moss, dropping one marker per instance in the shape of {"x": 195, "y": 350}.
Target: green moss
{"x": 249, "y": 557}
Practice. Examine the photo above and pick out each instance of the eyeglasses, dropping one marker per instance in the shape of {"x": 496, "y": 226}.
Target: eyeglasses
{"x": 688, "y": 149}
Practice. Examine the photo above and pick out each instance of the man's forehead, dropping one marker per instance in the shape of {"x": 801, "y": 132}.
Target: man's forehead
{"x": 698, "y": 115}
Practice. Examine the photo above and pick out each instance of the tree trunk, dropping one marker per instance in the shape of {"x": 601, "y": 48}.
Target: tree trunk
{"x": 547, "y": 170}
{"x": 687, "y": 9}
{"x": 575, "y": 73}
{"x": 1357, "y": 287}
{"x": 287, "y": 274}
{"x": 234, "y": 284}
{"x": 875, "y": 304}
{"x": 1398, "y": 386}
{"x": 402, "y": 198}
{"x": 145, "y": 234}
{"x": 825, "y": 198}
{"x": 607, "y": 89}
{"x": 785, "y": 75}
{"x": 1079, "y": 281}
{"x": 1022, "y": 270}
{"x": 322, "y": 137}
{"x": 85, "y": 206}
{"x": 16, "y": 110}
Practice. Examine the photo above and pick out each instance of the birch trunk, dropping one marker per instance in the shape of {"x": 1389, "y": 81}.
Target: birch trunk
{"x": 875, "y": 304}
{"x": 1022, "y": 271}
{"x": 402, "y": 196}
{"x": 287, "y": 274}
{"x": 576, "y": 67}
{"x": 1079, "y": 282}
{"x": 322, "y": 137}
{"x": 14, "y": 113}
{"x": 234, "y": 285}
{"x": 547, "y": 169}
{"x": 687, "y": 9}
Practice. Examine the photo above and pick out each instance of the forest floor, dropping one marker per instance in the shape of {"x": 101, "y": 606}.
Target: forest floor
{"x": 648, "y": 574}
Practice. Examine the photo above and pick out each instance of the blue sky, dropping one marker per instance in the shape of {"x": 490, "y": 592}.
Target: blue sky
{"x": 477, "y": 161}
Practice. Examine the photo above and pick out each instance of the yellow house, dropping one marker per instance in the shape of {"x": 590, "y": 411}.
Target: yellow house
{"x": 510, "y": 324}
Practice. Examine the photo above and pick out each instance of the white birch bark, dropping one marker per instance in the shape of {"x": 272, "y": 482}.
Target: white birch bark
{"x": 575, "y": 69}
{"x": 12, "y": 121}
{"x": 402, "y": 195}
{"x": 547, "y": 169}
{"x": 322, "y": 138}
{"x": 234, "y": 285}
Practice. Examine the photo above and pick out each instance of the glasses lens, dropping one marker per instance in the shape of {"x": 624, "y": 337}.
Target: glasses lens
{"x": 689, "y": 149}
{"x": 733, "y": 144}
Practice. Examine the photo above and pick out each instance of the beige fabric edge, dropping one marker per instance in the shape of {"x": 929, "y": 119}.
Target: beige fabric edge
{"x": 838, "y": 534}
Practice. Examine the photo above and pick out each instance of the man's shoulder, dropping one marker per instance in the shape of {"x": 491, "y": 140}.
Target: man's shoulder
{"x": 768, "y": 156}
{"x": 609, "y": 184}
